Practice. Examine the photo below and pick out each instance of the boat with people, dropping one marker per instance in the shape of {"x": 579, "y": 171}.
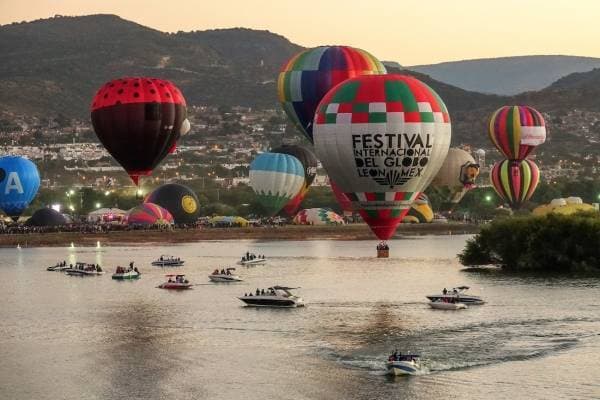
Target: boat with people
{"x": 447, "y": 304}
{"x": 383, "y": 250}
{"x": 224, "y": 275}
{"x": 168, "y": 261}
{"x": 127, "y": 273}
{"x": 252, "y": 259}
{"x": 176, "y": 281}
{"x": 84, "y": 269}
{"x": 459, "y": 294}
{"x": 404, "y": 364}
{"x": 276, "y": 296}
{"x": 60, "y": 266}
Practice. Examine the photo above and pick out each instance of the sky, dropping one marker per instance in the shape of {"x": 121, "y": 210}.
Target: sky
{"x": 409, "y": 32}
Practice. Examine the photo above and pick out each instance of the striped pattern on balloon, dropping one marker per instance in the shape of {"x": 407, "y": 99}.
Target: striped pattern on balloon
{"x": 517, "y": 130}
{"x": 515, "y": 181}
{"x": 276, "y": 178}
{"x": 149, "y": 214}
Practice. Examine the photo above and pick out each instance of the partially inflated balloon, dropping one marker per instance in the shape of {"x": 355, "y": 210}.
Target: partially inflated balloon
{"x": 276, "y": 179}
{"x": 309, "y": 75}
{"x": 517, "y": 130}
{"x": 515, "y": 181}
{"x": 19, "y": 183}
{"x": 138, "y": 120}
{"x": 457, "y": 174}
{"x": 309, "y": 163}
{"x": 179, "y": 200}
{"x": 377, "y": 137}
{"x": 149, "y": 214}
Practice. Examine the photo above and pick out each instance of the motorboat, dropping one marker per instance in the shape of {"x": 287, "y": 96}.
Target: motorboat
{"x": 83, "y": 269}
{"x": 129, "y": 273}
{"x": 176, "y": 282}
{"x": 225, "y": 275}
{"x": 457, "y": 293}
{"x": 252, "y": 259}
{"x": 59, "y": 267}
{"x": 276, "y": 296}
{"x": 404, "y": 364}
{"x": 168, "y": 261}
{"x": 447, "y": 305}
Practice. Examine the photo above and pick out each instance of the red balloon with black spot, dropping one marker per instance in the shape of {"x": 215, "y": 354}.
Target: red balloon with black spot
{"x": 138, "y": 120}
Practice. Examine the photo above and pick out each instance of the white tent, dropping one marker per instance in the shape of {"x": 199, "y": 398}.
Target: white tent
{"x": 107, "y": 215}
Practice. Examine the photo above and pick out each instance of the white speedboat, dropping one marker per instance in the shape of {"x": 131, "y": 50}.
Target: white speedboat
{"x": 404, "y": 364}
{"x": 252, "y": 259}
{"x": 457, "y": 293}
{"x": 276, "y": 296}
{"x": 224, "y": 276}
{"x": 176, "y": 282}
{"x": 130, "y": 273}
{"x": 59, "y": 267}
{"x": 168, "y": 261}
{"x": 446, "y": 305}
{"x": 82, "y": 269}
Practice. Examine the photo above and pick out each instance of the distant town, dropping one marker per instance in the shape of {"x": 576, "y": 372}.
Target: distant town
{"x": 224, "y": 140}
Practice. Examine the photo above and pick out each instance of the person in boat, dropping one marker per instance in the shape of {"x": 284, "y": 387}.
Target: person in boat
{"x": 222, "y": 272}
{"x": 262, "y": 292}
{"x": 170, "y": 280}
{"x": 216, "y": 272}
{"x": 228, "y": 272}
{"x": 131, "y": 265}
{"x": 445, "y": 291}
{"x": 161, "y": 258}
{"x": 136, "y": 270}
{"x": 257, "y": 292}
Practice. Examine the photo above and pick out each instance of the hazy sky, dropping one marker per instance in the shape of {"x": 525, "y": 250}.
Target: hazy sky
{"x": 410, "y": 32}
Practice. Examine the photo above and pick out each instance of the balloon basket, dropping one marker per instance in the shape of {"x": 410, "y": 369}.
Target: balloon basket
{"x": 383, "y": 253}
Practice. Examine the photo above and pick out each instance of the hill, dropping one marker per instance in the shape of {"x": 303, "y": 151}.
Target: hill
{"x": 507, "y": 75}
{"x": 55, "y": 65}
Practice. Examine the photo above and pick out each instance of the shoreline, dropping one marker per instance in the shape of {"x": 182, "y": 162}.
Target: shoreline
{"x": 288, "y": 232}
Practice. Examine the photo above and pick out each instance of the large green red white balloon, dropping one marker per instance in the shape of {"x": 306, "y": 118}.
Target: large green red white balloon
{"x": 381, "y": 138}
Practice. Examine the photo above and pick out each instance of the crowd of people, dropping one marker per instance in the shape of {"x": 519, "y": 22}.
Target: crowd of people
{"x": 262, "y": 292}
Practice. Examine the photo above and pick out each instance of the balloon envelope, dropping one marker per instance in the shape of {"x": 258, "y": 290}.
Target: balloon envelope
{"x": 19, "y": 183}
{"x": 276, "y": 178}
{"x": 179, "y": 200}
{"x": 309, "y": 163}
{"x": 376, "y": 136}
{"x": 149, "y": 214}
{"x": 46, "y": 217}
{"x": 310, "y": 74}
{"x": 517, "y": 130}
{"x": 138, "y": 120}
{"x": 458, "y": 174}
{"x": 515, "y": 181}
{"x": 317, "y": 216}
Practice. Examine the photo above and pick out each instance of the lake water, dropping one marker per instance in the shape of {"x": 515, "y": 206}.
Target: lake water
{"x": 65, "y": 337}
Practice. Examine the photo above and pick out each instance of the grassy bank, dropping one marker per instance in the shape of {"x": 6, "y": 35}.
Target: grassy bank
{"x": 289, "y": 232}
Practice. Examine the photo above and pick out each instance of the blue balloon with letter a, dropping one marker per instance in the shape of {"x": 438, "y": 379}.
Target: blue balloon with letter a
{"x": 19, "y": 183}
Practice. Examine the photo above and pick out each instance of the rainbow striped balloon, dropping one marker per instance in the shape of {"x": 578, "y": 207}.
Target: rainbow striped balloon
{"x": 149, "y": 214}
{"x": 309, "y": 75}
{"x": 517, "y": 130}
{"x": 515, "y": 181}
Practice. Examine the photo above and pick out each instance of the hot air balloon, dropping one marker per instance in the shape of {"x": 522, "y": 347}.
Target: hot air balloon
{"x": 376, "y": 136}
{"x": 179, "y": 200}
{"x": 515, "y": 181}
{"x": 317, "y": 216}
{"x": 457, "y": 175}
{"x": 276, "y": 178}
{"x": 517, "y": 130}
{"x": 149, "y": 214}
{"x": 138, "y": 120}
{"x": 310, "y": 74}
{"x": 309, "y": 163}
{"x": 420, "y": 211}
{"x": 19, "y": 183}
{"x": 46, "y": 217}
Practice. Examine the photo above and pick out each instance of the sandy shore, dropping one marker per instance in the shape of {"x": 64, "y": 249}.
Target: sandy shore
{"x": 290, "y": 232}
